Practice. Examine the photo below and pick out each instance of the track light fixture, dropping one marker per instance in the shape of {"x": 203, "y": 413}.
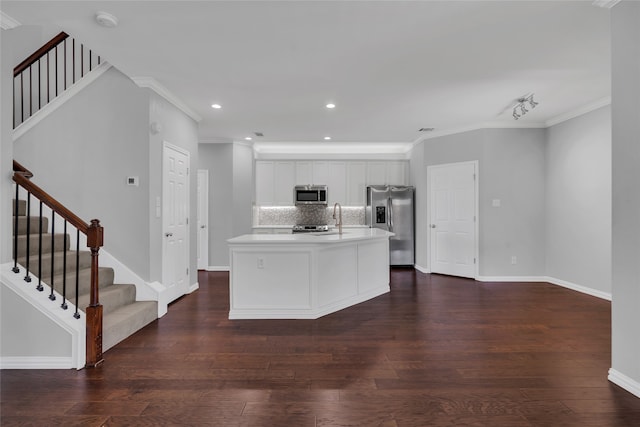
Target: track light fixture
{"x": 520, "y": 109}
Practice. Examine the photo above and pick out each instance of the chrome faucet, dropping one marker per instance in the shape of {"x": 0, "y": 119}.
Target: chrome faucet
{"x": 339, "y": 219}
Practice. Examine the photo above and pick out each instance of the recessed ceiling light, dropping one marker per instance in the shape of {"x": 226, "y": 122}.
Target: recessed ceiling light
{"x": 248, "y": 138}
{"x": 106, "y": 20}
{"x": 331, "y": 105}
{"x": 327, "y": 138}
{"x": 216, "y": 106}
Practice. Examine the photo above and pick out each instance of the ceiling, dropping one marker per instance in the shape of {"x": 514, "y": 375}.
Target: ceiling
{"x": 390, "y": 67}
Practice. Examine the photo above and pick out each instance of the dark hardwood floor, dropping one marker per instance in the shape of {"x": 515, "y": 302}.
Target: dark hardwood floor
{"x": 435, "y": 351}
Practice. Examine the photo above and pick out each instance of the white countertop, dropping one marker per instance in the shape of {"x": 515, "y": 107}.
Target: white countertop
{"x": 352, "y": 234}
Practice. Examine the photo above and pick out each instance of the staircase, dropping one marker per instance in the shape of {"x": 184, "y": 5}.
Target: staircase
{"x": 122, "y": 314}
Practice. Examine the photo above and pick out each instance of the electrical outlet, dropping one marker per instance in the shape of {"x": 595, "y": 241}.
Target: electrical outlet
{"x": 260, "y": 262}
{"x": 514, "y": 260}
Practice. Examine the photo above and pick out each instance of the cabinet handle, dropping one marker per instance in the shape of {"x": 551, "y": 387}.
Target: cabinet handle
{"x": 168, "y": 234}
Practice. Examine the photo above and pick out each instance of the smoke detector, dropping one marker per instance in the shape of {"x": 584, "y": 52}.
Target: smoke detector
{"x": 106, "y": 20}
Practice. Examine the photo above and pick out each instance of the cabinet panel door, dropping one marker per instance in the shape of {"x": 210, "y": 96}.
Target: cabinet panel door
{"x": 265, "y": 194}
{"x": 376, "y": 173}
{"x": 337, "y": 182}
{"x": 284, "y": 178}
{"x": 396, "y": 173}
{"x": 356, "y": 183}
{"x": 304, "y": 173}
{"x": 320, "y": 173}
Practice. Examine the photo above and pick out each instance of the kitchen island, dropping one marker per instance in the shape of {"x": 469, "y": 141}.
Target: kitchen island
{"x": 306, "y": 275}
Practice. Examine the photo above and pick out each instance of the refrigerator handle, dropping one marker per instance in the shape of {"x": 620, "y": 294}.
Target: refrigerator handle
{"x": 389, "y": 215}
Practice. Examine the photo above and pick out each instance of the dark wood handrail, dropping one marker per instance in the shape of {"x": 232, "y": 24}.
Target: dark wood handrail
{"x": 33, "y": 58}
{"x": 21, "y": 177}
{"x": 17, "y": 167}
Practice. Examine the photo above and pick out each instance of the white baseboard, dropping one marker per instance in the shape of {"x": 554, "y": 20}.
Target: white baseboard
{"x": 194, "y": 287}
{"x": 422, "y": 269}
{"x": 558, "y": 282}
{"x": 36, "y": 363}
{"x": 217, "y": 268}
{"x": 583, "y": 289}
{"x": 511, "y": 279}
{"x": 620, "y": 379}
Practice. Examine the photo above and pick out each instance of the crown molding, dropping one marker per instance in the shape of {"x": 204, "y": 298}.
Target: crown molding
{"x": 7, "y": 22}
{"x": 154, "y": 85}
{"x": 578, "y": 111}
{"x": 606, "y": 4}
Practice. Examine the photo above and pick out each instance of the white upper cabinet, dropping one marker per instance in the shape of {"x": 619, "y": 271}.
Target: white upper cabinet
{"x": 320, "y": 173}
{"x": 265, "y": 183}
{"x": 346, "y": 180}
{"x": 356, "y": 183}
{"x": 397, "y": 173}
{"x": 304, "y": 173}
{"x": 284, "y": 181}
{"x": 393, "y": 172}
{"x": 376, "y": 173}
{"x": 337, "y": 182}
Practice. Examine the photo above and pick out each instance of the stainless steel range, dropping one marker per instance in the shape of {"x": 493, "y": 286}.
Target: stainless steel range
{"x": 303, "y": 228}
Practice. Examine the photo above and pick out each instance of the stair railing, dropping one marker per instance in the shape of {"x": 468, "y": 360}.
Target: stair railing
{"x": 48, "y": 72}
{"x": 95, "y": 237}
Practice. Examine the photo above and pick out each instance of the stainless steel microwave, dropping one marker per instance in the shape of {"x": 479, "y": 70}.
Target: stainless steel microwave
{"x": 310, "y": 195}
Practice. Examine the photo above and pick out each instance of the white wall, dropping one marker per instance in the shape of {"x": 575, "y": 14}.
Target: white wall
{"x": 218, "y": 159}
{"x": 418, "y": 178}
{"x": 242, "y": 189}
{"x": 82, "y": 153}
{"x": 511, "y": 168}
{"x": 625, "y": 113}
{"x": 180, "y": 130}
{"x": 578, "y": 201}
{"x": 45, "y": 339}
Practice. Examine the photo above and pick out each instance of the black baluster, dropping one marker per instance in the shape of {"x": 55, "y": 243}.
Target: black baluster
{"x": 76, "y": 314}
{"x": 48, "y": 78}
{"x": 73, "y": 57}
{"x": 15, "y": 268}
{"x": 90, "y": 54}
{"x": 40, "y": 287}
{"x": 52, "y": 297}
{"x": 65, "y": 64}
{"x": 39, "y": 83}
{"x": 64, "y": 305}
{"x": 56, "y": 73}
{"x": 30, "y": 92}
{"x": 27, "y": 277}
{"x": 81, "y": 60}
{"x": 21, "y": 98}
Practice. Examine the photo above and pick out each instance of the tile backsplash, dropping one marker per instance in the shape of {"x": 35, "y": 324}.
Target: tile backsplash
{"x": 308, "y": 215}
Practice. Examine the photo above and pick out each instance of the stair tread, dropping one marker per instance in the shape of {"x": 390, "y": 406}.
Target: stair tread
{"x": 127, "y": 320}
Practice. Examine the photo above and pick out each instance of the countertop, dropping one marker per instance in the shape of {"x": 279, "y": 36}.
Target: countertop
{"x": 348, "y": 235}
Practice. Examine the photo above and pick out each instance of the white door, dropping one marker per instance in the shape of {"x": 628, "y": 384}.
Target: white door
{"x": 453, "y": 212}
{"x": 175, "y": 220}
{"x": 203, "y": 219}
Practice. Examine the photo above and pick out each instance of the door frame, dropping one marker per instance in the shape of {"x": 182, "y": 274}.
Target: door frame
{"x": 203, "y": 196}
{"x": 476, "y": 207}
{"x": 168, "y": 146}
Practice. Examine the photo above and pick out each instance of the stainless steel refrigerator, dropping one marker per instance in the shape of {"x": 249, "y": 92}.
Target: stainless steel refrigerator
{"x": 391, "y": 208}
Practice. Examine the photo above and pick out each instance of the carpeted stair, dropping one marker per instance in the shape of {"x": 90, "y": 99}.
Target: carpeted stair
{"x": 123, "y": 315}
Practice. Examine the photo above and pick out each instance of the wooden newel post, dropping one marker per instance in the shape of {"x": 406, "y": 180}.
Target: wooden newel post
{"x": 95, "y": 239}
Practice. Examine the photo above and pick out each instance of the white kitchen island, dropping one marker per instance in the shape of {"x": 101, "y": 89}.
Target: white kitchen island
{"x": 306, "y": 275}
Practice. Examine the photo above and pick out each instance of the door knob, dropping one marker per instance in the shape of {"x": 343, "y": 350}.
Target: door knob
{"x": 203, "y": 226}
{"x": 433, "y": 226}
